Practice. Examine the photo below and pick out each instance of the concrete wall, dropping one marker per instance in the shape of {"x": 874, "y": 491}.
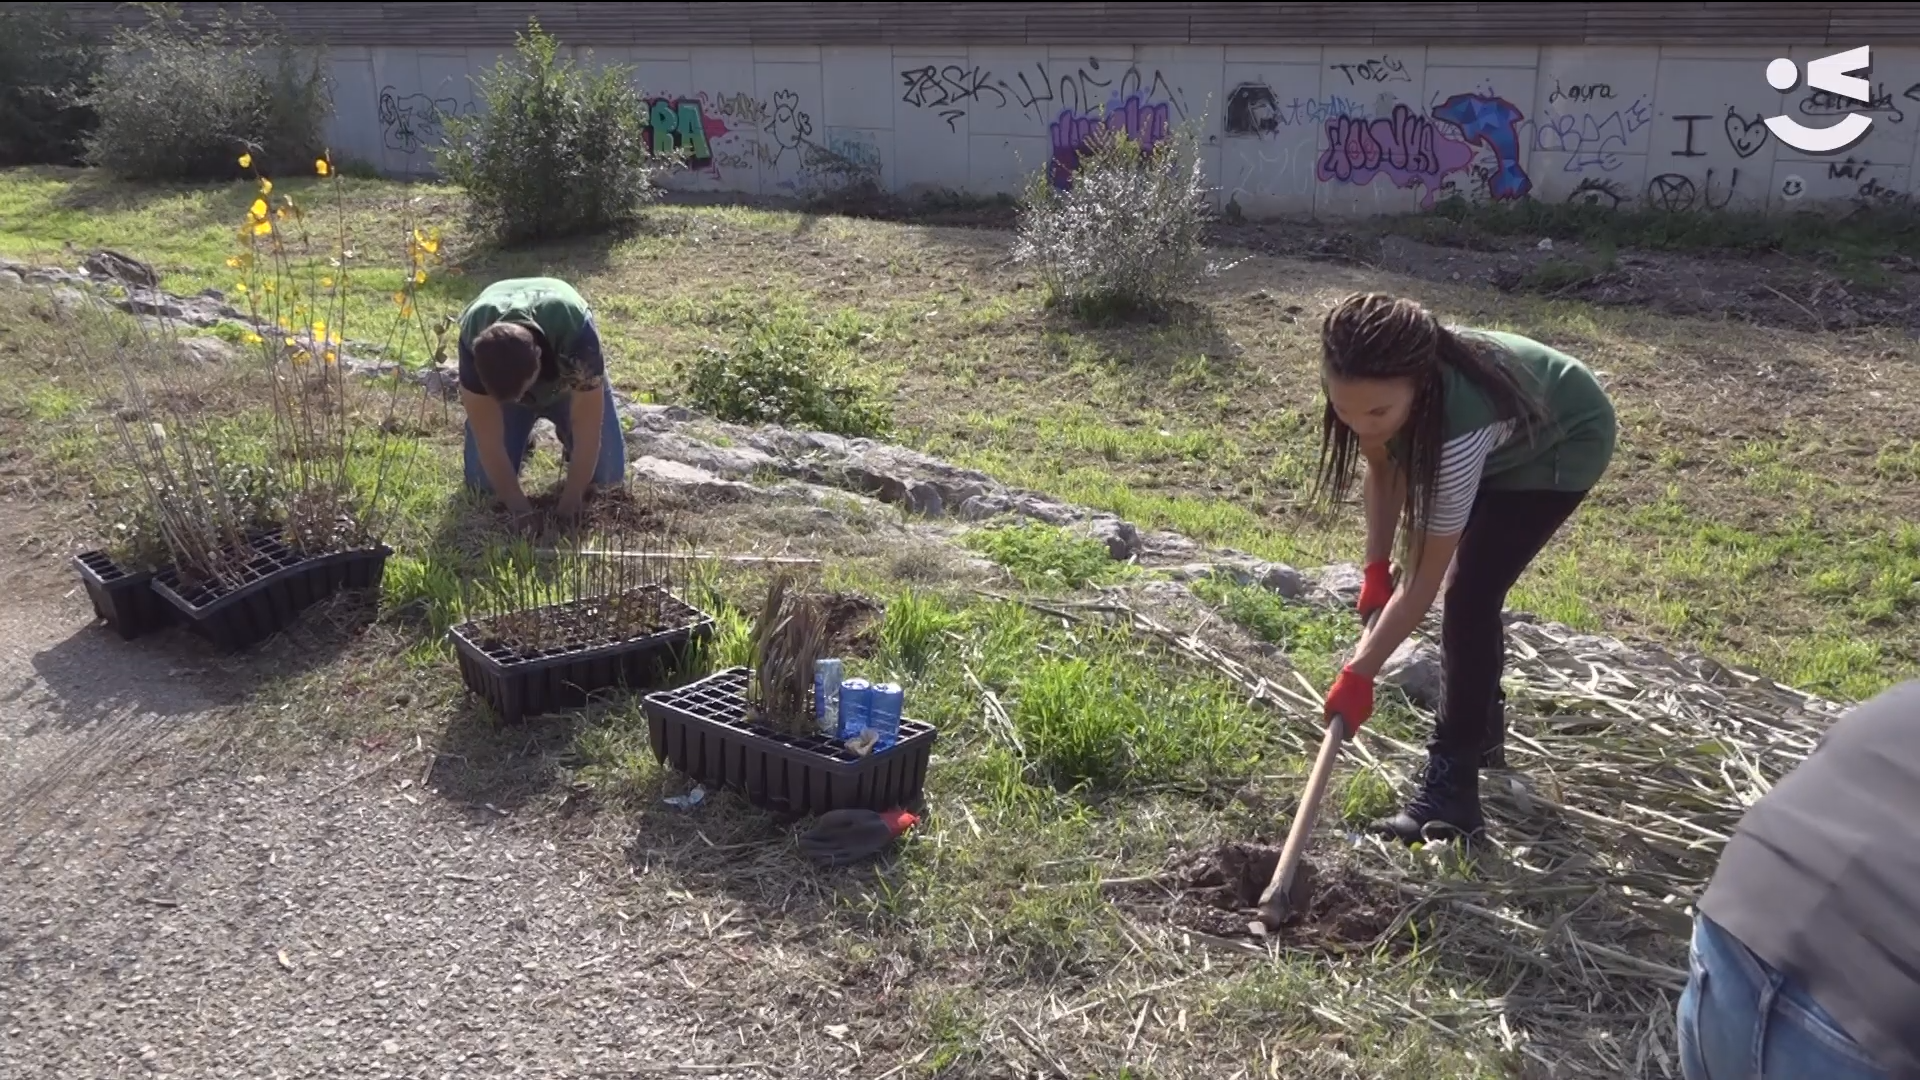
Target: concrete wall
{"x": 1330, "y": 130}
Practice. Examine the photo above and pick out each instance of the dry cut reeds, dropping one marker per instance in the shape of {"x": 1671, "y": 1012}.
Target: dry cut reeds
{"x": 789, "y": 636}
{"x": 1630, "y": 768}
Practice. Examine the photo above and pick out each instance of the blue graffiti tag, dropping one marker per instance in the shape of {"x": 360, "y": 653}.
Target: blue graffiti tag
{"x": 1494, "y": 124}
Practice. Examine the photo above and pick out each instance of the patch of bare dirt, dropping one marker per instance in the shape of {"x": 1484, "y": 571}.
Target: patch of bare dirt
{"x": 853, "y": 623}
{"x": 1217, "y": 892}
{"x": 1769, "y": 290}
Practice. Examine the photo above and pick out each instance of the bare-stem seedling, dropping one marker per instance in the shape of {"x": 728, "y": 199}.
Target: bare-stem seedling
{"x": 204, "y": 505}
{"x": 789, "y": 637}
{"x": 613, "y": 585}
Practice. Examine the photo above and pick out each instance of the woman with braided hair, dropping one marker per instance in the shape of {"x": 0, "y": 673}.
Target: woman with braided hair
{"x": 1478, "y": 445}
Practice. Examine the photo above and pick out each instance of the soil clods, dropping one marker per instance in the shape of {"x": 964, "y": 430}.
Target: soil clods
{"x": 1217, "y": 892}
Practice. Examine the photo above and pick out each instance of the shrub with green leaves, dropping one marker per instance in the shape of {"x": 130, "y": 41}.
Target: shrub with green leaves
{"x": 789, "y": 368}
{"x": 45, "y": 71}
{"x": 1128, "y": 232}
{"x": 1043, "y": 556}
{"x": 555, "y": 150}
{"x": 180, "y": 102}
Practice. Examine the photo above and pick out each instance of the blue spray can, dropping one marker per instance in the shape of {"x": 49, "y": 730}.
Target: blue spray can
{"x": 885, "y": 714}
{"x": 856, "y": 704}
{"x": 827, "y": 675}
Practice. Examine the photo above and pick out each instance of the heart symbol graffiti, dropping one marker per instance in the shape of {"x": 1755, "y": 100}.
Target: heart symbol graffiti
{"x": 1747, "y": 136}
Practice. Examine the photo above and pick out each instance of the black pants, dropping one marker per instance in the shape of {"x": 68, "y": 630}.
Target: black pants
{"x": 1505, "y": 530}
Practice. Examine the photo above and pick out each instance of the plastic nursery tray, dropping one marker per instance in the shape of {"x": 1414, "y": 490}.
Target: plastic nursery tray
{"x": 125, "y": 599}
{"x": 279, "y": 586}
{"x": 702, "y": 730}
{"x": 520, "y": 685}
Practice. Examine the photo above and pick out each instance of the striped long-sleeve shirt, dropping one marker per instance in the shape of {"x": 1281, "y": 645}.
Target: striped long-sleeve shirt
{"x": 1457, "y": 481}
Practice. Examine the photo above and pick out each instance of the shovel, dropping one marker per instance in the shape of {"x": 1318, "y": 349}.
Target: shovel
{"x": 1289, "y": 891}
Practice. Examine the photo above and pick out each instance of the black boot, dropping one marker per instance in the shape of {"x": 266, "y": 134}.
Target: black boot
{"x": 1495, "y": 755}
{"x": 1447, "y": 805}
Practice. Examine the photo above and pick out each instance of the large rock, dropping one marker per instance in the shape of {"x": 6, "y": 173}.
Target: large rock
{"x": 1337, "y": 583}
{"x": 734, "y": 462}
{"x": 113, "y": 266}
{"x": 1415, "y": 668}
{"x": 206, "y": 350}
{"x": 1121, "y": 538}
{"x": 689, "y": 478}
{"x": 923, "y": 485}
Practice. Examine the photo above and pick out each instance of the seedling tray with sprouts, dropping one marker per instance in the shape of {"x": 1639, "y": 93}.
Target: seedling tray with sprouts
{"x": 549, "y": 659}
{"x": 702, "y": 730}
{"x": 272, "y": 589}
{"x": 124, "y": 598}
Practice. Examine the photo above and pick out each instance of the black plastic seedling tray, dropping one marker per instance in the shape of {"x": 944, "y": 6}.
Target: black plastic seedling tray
{"x": 519, "y": 685}
{"x": 702, "y": 730}
{"x": 125, "y": 599}
{"x": 279, "y": 586}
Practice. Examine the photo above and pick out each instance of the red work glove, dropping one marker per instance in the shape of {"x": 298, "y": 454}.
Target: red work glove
{"x": 1376, "y": 588}
{"x": 1351, "y": 699}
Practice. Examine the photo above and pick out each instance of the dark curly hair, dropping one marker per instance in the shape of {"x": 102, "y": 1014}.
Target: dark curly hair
{"x": 1378, "y": 336}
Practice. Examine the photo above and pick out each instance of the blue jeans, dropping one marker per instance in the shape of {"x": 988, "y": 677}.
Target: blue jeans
{"x": 518, "y": 421}
{"x": 1742, "y": 1020}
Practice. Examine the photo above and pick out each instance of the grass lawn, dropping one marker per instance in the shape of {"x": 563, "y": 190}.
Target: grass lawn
{"x": 1764, "y": 508}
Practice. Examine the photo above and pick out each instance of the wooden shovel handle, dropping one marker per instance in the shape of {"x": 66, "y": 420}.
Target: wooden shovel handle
{"x": 1304, "y": 818}
{"x": 1309, "y": 812}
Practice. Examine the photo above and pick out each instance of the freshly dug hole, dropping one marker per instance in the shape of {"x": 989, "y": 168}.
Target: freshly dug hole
{"x": 1218, "y": 891}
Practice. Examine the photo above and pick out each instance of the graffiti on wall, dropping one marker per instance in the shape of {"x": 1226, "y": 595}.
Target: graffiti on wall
{"x": 951, "y": 89}
{"x": 1042, "y": 90}
{"x": 1288, "y": 132}
{"x": 1254, "y": 110}
{"x": 1410, "y": 149}
{"x": 681, "y": 125}
{"x": 1822, "y": 103}
{"x": 1142, "y": 121}
{"x": 1677, "y": 192}
{"x": 1579, "y": 92}
{"x": 412, "y": 122}
{"x": 789, "y": 127}
{"x": 740, "y": 133}
{"x": 1592, "y": 140}
{"x": 1379, "y": 69}
{"x": 1598, "y": 191}
{"x": 1745, "y": 136}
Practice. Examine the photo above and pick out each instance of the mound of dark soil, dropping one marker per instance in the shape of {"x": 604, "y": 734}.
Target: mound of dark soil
{"x": 1217, "y": 892}
{"x": 852, "y": 623}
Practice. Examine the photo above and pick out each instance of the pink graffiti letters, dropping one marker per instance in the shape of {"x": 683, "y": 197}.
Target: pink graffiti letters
{"x": 1405, "y": 147}
{"x": 1142, "y": 122}
{"x": 1412, "y": 149}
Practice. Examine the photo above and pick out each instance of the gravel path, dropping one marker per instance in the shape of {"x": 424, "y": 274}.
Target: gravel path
{"x": 161, "y": 916}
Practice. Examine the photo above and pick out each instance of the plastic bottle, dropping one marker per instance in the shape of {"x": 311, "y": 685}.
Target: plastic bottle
{"x": 856, "y": 705}
{"x": 827, "y": 675}
{"x": 884, "y": 714}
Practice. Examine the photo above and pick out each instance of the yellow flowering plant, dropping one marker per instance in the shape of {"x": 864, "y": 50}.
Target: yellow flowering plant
{"x": 301, "y": 285}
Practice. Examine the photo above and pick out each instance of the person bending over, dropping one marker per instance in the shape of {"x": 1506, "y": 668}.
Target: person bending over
{"x": 529, "y": 350}
{"x": 1482, "y": 444}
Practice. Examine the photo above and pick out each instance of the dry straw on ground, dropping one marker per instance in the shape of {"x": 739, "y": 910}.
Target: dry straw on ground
{"x": 1629, "y": 769}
